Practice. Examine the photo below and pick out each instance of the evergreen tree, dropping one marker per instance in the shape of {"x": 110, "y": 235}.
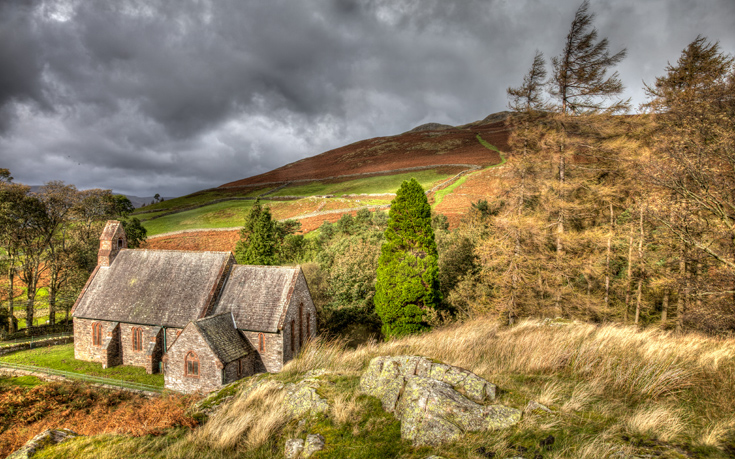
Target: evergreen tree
{"x": 408, "y": 275}
{"x": 258, "y": 238}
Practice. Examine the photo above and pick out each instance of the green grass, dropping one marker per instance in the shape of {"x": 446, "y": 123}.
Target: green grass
{"x": 220, "y": 215}
{"x": 200, "y": 197}
{"x": 19, "y": 381}
{"x": 367, "y": 185}
{"x": 62, "y": 358}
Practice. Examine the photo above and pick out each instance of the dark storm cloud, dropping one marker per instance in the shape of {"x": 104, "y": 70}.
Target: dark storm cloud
{"x": 172, "y": 96}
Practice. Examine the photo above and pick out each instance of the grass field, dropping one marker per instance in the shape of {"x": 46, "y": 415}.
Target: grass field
{"x": 220, "y": 215}
{"x": 201, "y": 197}
{"x": 367, "y": 185}
{"x": 62, "y": 358}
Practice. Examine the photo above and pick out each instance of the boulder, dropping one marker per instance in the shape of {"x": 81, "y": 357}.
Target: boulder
{"x": 302, "y": 398}
{"x": 294, "y": 447}
{"x": 314, "y": 443}
{"x": 435, "y": 402}
{"x": 41, "y": 441}
{"x": 535, "y": 407}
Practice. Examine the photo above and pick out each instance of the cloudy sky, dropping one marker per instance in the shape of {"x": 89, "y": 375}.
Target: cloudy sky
{"x": 174, "y": 96}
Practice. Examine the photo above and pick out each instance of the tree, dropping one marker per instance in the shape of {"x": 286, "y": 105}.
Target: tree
{"x": 694, "y": 113}
{"x": 407, "y": 284}
{"x": 135, "y": 232}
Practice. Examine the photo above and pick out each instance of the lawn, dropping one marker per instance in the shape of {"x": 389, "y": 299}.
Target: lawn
{"x": 367, "y": 185}
{"x": 221, "y": 215}
{"x": 62, "y": 358}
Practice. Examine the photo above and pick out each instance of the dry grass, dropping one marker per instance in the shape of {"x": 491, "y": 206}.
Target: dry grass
{"x": 250, "y": 420}
{"x": 656, "y": 421}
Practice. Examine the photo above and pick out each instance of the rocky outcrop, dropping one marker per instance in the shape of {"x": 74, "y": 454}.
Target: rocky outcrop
{"x": 42, "y": 441}
{"x": 435, "y": 402}
{"x": 297, "y": 448}
{"x": 302, "y": 397}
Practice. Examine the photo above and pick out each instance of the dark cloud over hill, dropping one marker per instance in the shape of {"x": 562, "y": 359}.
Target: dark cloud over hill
{"x": 147, "y": 96}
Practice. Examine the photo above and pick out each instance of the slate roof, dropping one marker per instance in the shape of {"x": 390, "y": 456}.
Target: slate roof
{"x": 223, "y": 338}
{"x": 153, "y": 287}
{"x": 258, "y": 296}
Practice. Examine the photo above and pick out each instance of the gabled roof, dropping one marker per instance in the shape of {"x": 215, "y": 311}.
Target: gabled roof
{"x": 258, "y": 296}
{"x": 112, "y": 228}
{"x": 223, "y": 338}
{"x": 154, "y": 287}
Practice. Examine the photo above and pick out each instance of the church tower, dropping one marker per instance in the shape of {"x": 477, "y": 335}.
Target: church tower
{"x": 113, "y": 239}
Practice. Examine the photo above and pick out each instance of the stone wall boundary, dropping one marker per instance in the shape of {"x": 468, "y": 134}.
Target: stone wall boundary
{"x": 34, "y": 344}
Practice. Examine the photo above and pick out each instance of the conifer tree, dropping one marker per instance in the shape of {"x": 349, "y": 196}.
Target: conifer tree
{"x": 408, "y": 274}
{"x": 257, "y": 245}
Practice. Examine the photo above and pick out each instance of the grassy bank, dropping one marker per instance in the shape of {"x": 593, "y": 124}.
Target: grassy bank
{"x": 614, "y": 391}
{"x": 62, "y": 358}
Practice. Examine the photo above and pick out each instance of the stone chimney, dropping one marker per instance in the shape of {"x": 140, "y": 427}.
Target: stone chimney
{"x": 113, "y": 239}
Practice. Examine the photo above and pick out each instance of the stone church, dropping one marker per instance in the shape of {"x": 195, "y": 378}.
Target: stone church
{"x": 198, "y": 317}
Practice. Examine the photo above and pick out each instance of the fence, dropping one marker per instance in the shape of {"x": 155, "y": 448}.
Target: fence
{"x": 110, "y": 382}
{"x": 32, "y": 339}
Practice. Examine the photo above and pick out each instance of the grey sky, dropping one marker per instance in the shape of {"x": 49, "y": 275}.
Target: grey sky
{"x": 174, "y": 96}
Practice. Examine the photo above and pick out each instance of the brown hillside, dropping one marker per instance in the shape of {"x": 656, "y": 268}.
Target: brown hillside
{"x": 382, "y": 154}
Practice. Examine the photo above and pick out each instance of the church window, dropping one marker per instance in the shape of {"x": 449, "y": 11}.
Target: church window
{"x": 137, "y": 339}
{"x": 308, "y": 325}
{"x": 191, "y": 364}
{"x": 293, "y": 336}
{"x": 239, "y": 367}
{"x": 97, "y": 334}
{"x": 301, "y": 324}
{"x": 120, "y": 243}
{"x": 261, "y": 342}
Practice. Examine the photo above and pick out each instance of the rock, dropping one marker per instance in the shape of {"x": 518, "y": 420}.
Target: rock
{"x": 42, "y": 441}
{"x": 425, "y": 396}
{"x": 534, "y": 406}
{"x": 314, "y": 443}
{"x": 294, "y": 447}
{"x": 301, "y": 398}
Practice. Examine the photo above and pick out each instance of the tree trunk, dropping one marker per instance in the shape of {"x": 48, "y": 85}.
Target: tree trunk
{"x": 665, "y": 307}
{"x": 53, "y": 280}
{"x": 560, "y": 229}
{"x": 683, "y": 294}
{"x": 641, "y": 268}
{"x": 11, "y": 295}
{"x": 629, "y": 276}
{"x": 638, "y": 301}
{"x": 607, "y": 257}
{"x": 29, "y": 305}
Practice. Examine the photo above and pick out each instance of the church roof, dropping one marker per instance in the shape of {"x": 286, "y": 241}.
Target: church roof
{"x": 258, "y": 296}
{"x": 223, "y": 338}
{"x": 154, "y": 287}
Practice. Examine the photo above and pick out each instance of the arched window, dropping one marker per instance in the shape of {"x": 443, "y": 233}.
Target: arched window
{"x": 293, "y": 336}
{"x": 137, "y": 339}
{"x": 191, "y": 364}
{"x": 308, "y": 325}
{"x": 97, "y": 334}
{"x": 261, "y": 342}
{"x": 301, "y": 324}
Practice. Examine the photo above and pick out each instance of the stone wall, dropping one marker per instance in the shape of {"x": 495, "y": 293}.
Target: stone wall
{"x": 171, "y": 335}
{"x": 35, "y": 344}
{"x": 272, "y": 359}
{"x": 149, "y": 357}
{"x": 247, "y": 367}
{"x": 210, "y": 368}
{"x": 300, "y": 311}
{"x": 108, "y": 353}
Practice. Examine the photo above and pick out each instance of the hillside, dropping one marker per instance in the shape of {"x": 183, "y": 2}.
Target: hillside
{"x": 449, "y": 161}
{"x": 612, "y": 392}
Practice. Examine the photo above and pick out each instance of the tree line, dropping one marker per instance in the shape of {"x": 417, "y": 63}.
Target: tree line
{"x": 49, "y": 239}
{"x": 605, "y": 216}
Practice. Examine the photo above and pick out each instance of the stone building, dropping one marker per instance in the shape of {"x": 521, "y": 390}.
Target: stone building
{"x": 196, "y": 316}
